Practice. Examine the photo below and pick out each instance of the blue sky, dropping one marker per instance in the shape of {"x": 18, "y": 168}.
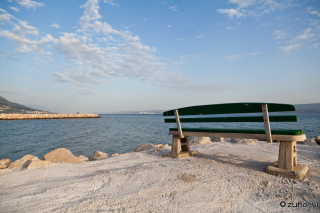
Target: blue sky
{"x": 116, "y": 55}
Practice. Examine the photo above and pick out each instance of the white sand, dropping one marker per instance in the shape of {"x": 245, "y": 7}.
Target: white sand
{"x": 225, "y": 177}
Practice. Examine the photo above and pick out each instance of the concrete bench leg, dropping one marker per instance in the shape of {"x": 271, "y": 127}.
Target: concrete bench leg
{"x": 185, "y": 147}
{"x": 287, "y": 155}
{"x": 177, "y": 145}
{"x": 287, "y": 162}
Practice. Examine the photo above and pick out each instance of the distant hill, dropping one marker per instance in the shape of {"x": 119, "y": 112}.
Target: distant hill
{"x": 308, "y": 108}
{"x": 134, "y": 112}
{"x": 300, "y": 109}
{"x": 8, "y": 107}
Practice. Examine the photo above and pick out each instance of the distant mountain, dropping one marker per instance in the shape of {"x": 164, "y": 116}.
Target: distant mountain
{"x": 300, "y": 109}
{"x": 8, "y": 107}
{"x": 308, "y": 108}
{"x": 134, "y": 112}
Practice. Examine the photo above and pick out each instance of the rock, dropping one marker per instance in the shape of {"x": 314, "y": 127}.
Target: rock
{"x": 4, "y": 163}
{"x": 100, "y": 155}
{"x": 317, "y": 139}
{"x": 164, "y": 146}
{"x": 243, "y": 141}
{"x": 310, "y": 142}
{"x": 217, "y": 139}
{"x": 160, "y": 146}
{"x": 23, "y": 163}
{"x": 3, "y": 166}
{"x": 195, "y": 140}
{"x": 83, "y": 158}
{"x": 37, "y": 163}
{"x": 115, "y": 154}
{"x": 61, "y": 155}
{"x": 143, "y": 147}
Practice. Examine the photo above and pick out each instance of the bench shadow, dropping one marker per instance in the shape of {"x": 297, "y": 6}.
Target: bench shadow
{"x": 236, "y": 161}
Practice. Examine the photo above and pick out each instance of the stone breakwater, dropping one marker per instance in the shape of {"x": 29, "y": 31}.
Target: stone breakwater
{"x": 45, "y": 116}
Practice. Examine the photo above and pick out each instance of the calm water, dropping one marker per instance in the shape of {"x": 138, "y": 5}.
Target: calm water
{"x": 111, "y": 133}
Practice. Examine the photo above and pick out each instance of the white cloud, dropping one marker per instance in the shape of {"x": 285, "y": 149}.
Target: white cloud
{"x": 20, "y": 33}
{"x": 279, "y": 34}
{"x": 30, "y": 4}
{"x": 5, "y": 18}
{"x": 93, "y": 62}
{"x": 34, "y": 70}
{"x": 200, "y": 36}
{"x": 230, "y": 28}
{"x": 308, "y": 36}
{"x": 231, "y": 12}
{"x": 254, "y": 7}
{"x": 312, "y": 11}
{"x": 231, "y": 58}
{"x": 55, "y": 25}
{"x": 111, "y": 2}
{"x": 174, "y": 8}
{"x": 169, "y": 25}
{"x": 290, "y": 47}
{"x": 15, "y": 9}
{"x": 243, "y": 3}
{"x": 180, "y": 39}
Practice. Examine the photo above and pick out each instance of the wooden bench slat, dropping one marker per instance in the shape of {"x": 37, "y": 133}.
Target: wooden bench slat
{"x": 230, "y": 109}
{"x": 285, "y": 118}
{"x": 245, "y": 131}
{"x": 242, "y": 135}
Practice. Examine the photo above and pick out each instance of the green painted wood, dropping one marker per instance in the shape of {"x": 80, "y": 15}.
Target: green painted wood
{"x": 285, "y": 118}
{"x": 230, "y": 109}
{"x": 245, "y": 131}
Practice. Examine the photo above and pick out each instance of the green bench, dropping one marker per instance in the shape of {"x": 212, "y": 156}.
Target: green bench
{"x": 287, "y": 162}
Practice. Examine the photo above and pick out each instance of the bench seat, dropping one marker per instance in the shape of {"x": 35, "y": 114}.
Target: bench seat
{"x": 277, "y": 135}
{"x": 245, "y": 131}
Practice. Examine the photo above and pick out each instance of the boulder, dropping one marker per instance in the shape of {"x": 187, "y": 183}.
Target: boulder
{"x": 162, "y": 146}
{"x": 317, "y": 139}
{"x": 195, "y": 140}
{"x": 61, "y": 155}
{"x": 115, "y": 154}
{"x": 217, "y": 139}
{"x": 310, "y": 142}
{"x": 243, "y": 141}
{"x": 143, "y": 147}
{"x": 83, "y": 158}
{"x": 22, "y": 163}
{"x": 4, "y": 163}
{"x": 37, "y": 163}
{"x": 100, "y": 155}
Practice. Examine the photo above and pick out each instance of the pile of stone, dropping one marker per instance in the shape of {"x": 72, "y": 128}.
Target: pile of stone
{"x": 61, "y": 155}
{"x": 45, "y": 116}
{"x": 151, "y": 147}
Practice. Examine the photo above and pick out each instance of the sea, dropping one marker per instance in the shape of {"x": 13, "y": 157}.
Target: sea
{"x": 113, "y": 133}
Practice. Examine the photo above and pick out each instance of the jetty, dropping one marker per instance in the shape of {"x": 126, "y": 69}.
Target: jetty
{"x": 46, "y": 116}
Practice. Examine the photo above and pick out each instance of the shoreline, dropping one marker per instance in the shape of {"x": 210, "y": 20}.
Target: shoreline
{"x": 46, "y": 116}
{"x": 224, "y": 176}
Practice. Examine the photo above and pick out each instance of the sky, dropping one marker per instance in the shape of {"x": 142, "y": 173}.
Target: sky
{"x": 120, "y": 55}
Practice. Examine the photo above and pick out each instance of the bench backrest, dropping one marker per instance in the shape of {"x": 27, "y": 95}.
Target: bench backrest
{"x": 233, "y": 108}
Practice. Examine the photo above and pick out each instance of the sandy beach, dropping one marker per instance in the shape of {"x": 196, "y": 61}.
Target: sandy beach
{"x": 224, "y": 177}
